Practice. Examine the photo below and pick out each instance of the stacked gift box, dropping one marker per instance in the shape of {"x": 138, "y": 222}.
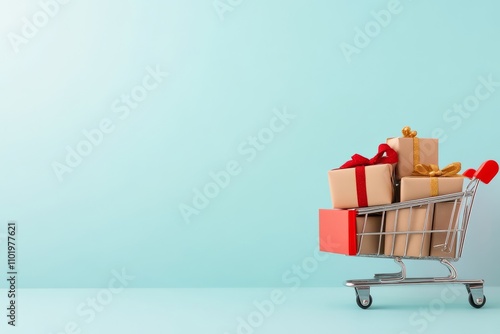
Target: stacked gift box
{"x": 404, "y": 169}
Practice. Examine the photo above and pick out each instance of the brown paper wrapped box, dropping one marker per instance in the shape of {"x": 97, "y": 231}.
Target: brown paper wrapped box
{"x": 369, "y": 244}
{"x": 378, "y": 186}
{"x": 428, "y": 153}
{"x": 442, "y": 221}
{"x": 408, "y": 220}
{"x": 415, "y": 187}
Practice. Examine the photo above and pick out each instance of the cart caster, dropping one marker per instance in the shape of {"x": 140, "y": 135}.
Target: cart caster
{"x": 476, "y": 302}
{"x": 477, "y": 299}
{"x": 363, "y": 297}
{"x": 365, "y": 303}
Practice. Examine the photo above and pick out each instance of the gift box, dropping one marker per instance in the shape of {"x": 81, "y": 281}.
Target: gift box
{"x": 433, "y": 182}
{"x": 415, "y": 224}
{"x": 368, "y": 243}
{"x": 415, "y": 187}
{"x": 363, "y": 182}
{"x": 443, "y": 244}
{"x": 339, "y": 229}
{"x": 413, "y": 151}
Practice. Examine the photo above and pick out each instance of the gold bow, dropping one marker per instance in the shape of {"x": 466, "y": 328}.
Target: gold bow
{"x": 408, "y": 133}
{"x": 434, "y": 172}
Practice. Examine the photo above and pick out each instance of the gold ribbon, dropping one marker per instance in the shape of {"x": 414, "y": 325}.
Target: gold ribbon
{"x": 409, "y": 133}
{"x": 434, "y": 172}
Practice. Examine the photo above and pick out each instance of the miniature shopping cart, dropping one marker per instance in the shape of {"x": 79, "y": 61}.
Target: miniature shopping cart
{"x": 432, "y": 228}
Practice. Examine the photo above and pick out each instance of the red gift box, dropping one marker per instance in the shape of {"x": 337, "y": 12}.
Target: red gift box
{"x": 337, "y": 231}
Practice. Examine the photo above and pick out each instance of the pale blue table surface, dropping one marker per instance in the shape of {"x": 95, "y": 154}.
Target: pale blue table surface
{"x": 398, "y": 310}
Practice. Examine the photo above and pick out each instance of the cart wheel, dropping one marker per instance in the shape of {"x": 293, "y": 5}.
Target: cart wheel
{"x": 367, "y": 302}
{"x": 472, "y": 302}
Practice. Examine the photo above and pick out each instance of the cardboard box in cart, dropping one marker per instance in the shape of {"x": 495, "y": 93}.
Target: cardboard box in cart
{"x": 447, "y": 182}
{"x": 412, "y": 221}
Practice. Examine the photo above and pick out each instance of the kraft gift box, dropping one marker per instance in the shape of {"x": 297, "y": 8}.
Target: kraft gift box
{"x": 413, "y": 151}
{"x": 408, "y": 220}
{"x": 415, "y": 187}
{"x": 369, "y": 244}
{"x": 443, "y": 244}
{"x": 344, "y": 187}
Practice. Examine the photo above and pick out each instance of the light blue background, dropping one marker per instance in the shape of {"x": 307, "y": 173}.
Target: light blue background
{"x": 120, "y": 207}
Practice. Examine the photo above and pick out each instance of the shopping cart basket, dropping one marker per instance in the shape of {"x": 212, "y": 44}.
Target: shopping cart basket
{"x": 408, "y": 230}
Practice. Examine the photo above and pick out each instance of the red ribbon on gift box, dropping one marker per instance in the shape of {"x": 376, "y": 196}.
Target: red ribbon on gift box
{"x": 385, "y": 155}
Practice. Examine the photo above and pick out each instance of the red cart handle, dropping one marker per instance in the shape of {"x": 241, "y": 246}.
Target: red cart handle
{"x": 486, "y": 172}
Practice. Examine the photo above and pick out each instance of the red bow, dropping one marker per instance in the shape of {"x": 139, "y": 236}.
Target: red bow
{"x": 359, "y": 162}
{"x": 391, "y": 157}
